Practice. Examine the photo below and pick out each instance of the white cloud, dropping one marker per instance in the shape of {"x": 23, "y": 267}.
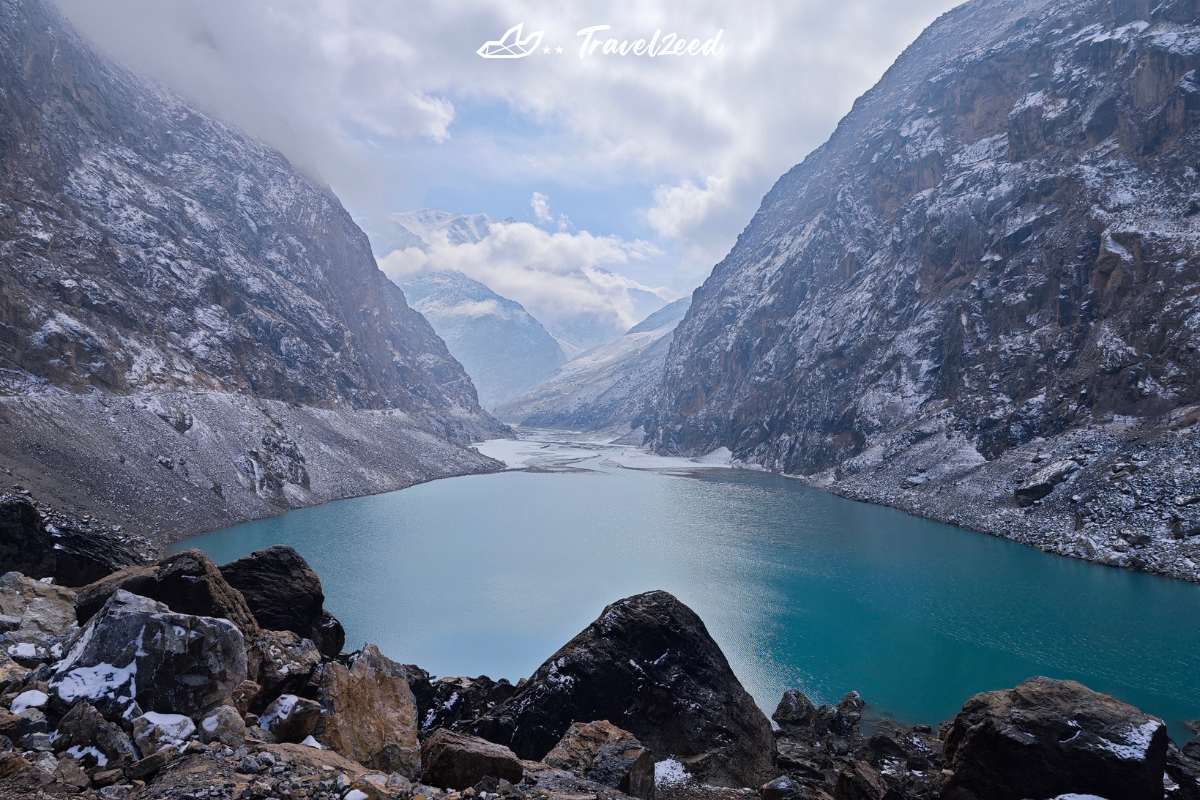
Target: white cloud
{"x": 680, "y": 212}
{"x": 541, "y": 207}
{"x": 558, "y": 277}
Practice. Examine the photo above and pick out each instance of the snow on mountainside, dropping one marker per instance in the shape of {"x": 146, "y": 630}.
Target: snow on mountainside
{"x": 502, "y": 347}
{"x": 991, "y": 265}
{"x": 404, "y": 229}
{"x": 604, "y": 388}
{"x": 172, "y": 293}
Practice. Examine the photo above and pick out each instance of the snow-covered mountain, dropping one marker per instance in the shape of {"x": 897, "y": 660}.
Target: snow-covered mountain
{"x": 605, "y": 387}
{"x": 193, "y": 331}
{"x": 404, "y": 229}
{"x": 502, "y": 347}
{"x": 983, "y": 286}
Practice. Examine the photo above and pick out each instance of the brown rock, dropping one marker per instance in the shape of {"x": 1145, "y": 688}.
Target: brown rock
{"x": 457, "y": 761}
{"x": 151, "y": 764}
{"x": 223, "y": 724}
{"x": 11, "y": 764}
{"x": 106, "y": 777}
{"x": 188, "y": 582}
{"x": 244, "y": 695}
{"x": 370, "y": 713}
{"x": 83, "y": 727}
{"x": 602, "y": 752}
{"x": 70, "y": 777}
{"x": 44, "y": 616}
{"x": 1048, "y": 737}
{"x": 860, "y": 781}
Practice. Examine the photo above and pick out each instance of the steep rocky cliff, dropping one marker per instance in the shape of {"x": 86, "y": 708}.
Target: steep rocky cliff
{"x": 991, "y": 266}
{"x": 155, "y": 258}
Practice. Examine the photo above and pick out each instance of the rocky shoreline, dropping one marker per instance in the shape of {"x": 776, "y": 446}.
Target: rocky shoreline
{"x": 1121, "y": 493}
{"x": 184, "y": 679}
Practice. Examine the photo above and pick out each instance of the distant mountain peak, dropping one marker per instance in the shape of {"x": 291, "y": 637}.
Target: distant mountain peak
{"x": 403, "y": 229}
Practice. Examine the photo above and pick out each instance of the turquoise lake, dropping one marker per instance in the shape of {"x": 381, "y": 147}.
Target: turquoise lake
{"x": 491, "y": 574}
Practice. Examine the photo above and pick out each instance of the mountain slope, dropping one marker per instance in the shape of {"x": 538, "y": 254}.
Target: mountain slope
{"x": 151, "y": 251}
{"x": 606, "y": 387}
{"x": 499, "y": 344}
{"x": 995, "y": 254}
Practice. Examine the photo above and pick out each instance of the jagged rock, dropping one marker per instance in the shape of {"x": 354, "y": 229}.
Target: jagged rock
{"x": 1042, "y": 482}
{"x": 457, "y": 761}
{"x": 1048, "y": 737}
{"x": 370, "y": 713}
{"x": 782, "y": 788}
{"x": 842, "y": 719}
{"x": 285, "y": 664}
{"x": 46, "y": 618}
{"x": 11, "y": 673}
{"x": 152, "y": 732}
{"x": 860, "y": 781}
{"x": 151, "y": 764}
{"x": 454, "y": 702}
{"x": 30, "y": 544}
{"x": 605, "y": 754}
{"x": 188, "y": 582}
{"x": 795, "y": 710}
{"x": 648, "y": 665}
{"x": 223, "y": 724}
{"x": 69, "y": 776}
{"x": 82, "y": 729}
{"x": 135, "y": 636}
{"x": 244, "y": 696}
{"x": 291, "y": 718}
{"x": 284, "y": 594}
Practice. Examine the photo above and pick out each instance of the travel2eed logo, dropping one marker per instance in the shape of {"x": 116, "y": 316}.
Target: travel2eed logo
{"x": 511, "y": 45}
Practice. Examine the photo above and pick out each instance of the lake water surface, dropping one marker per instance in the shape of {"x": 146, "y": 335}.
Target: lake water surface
{"x": 491, "y": 574}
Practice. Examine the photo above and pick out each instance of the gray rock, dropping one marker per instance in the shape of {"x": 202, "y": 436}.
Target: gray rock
{"x": 153, "y": 732}
{"x": 285, "y": 663}
{"x": 782, "y": 788}
{"x": 82, "y": 730}
{"x": 795, "y": 710}
{"x": 182, "y": 663}
{"x": 1042, "y": 482}
{"x": 45, "y": 618}
{"x": 291, "y": 718}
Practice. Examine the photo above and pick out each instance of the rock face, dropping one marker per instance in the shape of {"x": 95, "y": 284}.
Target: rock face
{"x": 997, "y": 245}
{"x": 284, "y": 594}
{"x": 38, "y": 548}
{"x": 457, "y": 762}
{"x": 648, "y": 664}
{"x": 188, "y": 582}
{"x": 1048, "y": 737}
{"x": 168, "y": 663}
{"x": 191, "y": 265}
{"x": 606, "y": 387}
{"x": 454, "y": 702}
{"x": 370, "y": 713}
{"x": 502, "y": 347}
{"x": 602, "y": 752}
{"x": 37, "y": 619}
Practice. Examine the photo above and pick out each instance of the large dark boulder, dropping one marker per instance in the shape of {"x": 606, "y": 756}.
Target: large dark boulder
{"x": 649, "y": 666}
{"x": 456, "y": 761}
{"x": 285, "y": 594}
{"x": 137, "y": 650}
{"x": 188, "y": 582}
{"x": 34, "y": 546}
{"x": 1048, "y": 737}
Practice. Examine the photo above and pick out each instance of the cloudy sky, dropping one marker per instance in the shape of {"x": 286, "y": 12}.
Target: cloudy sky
{"x": 644, "y": 167}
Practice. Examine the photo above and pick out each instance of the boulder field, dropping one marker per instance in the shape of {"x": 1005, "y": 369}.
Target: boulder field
{"x": 182, "y": 679}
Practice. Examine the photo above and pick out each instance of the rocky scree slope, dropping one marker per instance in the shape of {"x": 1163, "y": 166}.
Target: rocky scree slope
{"x": 502, "y": 347}
{"x": 606, "y": 387}
{"x": 157, "y": 264}
{"x": 988, "y": 270}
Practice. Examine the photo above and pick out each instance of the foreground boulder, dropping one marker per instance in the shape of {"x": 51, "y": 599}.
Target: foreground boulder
{"x": 282, "y": 663}
{"x": 456, "y": 761}
{"x": 188, "y": 582}
{"x": 136, "y": 648}
{"x": 35, "y": 619}
{"x": 1048, "y": 737}
{"x": 602, "y": 752}
{"x": 648, "y": 665}
{"x": 285, "y": 594}
{"x": 370, "y": 714}
{"x": 82, "y": 732}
